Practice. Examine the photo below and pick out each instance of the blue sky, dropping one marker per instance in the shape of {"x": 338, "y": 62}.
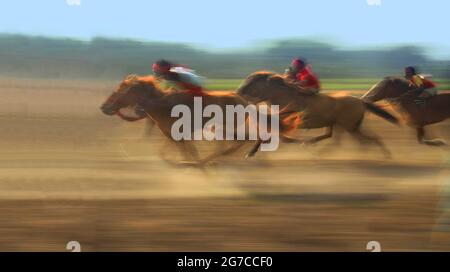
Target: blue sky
{"x": 237, "y": 23}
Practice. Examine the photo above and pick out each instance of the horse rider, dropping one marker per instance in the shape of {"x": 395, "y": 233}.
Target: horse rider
{"x": 179, "y": 77}
{"x": 424, "y": 88}
{"x": 301, "y": 72}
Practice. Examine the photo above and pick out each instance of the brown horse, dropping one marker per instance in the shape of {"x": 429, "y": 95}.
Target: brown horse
{"x": 397, "y": 91}
{"x": 155, "y": 103}
{"x": 318, "y": 110}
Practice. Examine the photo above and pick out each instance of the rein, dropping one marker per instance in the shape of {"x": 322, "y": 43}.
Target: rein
{"x": 129, "y": 119}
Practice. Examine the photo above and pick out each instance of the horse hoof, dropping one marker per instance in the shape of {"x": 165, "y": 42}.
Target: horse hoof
{"x": 435, "y": 142}
{"x": 249, "y": 155}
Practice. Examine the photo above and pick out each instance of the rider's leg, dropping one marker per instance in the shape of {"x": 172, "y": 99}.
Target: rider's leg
{"x": 424, "y": 96}
{"x": 328, "y": 134}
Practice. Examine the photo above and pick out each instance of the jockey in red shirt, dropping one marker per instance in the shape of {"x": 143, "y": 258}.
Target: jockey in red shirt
{"x": 425, "y": 88}
{"x": 181, "y": 77}
{"x": 303, "y": 74}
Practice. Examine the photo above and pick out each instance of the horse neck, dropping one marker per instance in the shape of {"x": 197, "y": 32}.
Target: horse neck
{"x": 386, "y": 89}
{"x": 158, "y": 92}
{"x": 155, "y": 105}
{"x": 276, "y": 94}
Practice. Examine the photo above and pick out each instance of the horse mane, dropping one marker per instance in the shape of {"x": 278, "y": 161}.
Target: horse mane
{"x": 397, "y": 79}
{"x": 134, "y": 79}
{"x": 149, "y": 83}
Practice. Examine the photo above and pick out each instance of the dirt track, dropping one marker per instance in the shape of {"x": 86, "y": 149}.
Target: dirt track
{"x": 69, "y": 173}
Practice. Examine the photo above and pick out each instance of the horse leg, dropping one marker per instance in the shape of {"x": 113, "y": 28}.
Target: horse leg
{"x": 284, "y": 138}
{"x": 288, "y": 139}
{"x": 433, "y": 142}
{"x": 235, "y": 147}
{"x": 149, "y": 125}
{"x": 328, "y": 134}
{"x": 362, "y": 137}
{"x": 420, "y": 134}
{"x": 162, "y": 152}
{"x": 190, "y": 151}
{"x": 187, "y": 150}
{"x": 254, "y": 149}
{"x": 331, "y": 145}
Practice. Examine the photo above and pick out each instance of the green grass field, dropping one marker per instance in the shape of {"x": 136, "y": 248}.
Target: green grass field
{"x": 327, "y": 84}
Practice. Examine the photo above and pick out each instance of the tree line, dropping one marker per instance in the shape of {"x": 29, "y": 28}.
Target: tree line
{"x": 112, "y": 58}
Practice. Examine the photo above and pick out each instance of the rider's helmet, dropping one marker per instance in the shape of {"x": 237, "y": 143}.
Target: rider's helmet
{"x": 161, "y": 67}
{"x": 410, "y": 71}
{"x": 298, "y": 64}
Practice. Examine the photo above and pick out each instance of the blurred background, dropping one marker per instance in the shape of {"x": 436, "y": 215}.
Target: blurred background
{"x": 68, "y": 172}
{"x": 112, "y": 59}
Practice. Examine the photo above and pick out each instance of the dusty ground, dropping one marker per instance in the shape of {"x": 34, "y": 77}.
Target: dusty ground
{"x": 69, "y": 173}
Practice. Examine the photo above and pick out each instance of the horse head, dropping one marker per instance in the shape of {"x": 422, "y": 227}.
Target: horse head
{"x": 133, "y": 91}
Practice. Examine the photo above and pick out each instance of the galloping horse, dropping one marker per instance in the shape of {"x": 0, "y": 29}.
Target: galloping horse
{"x": 396, "y": 90}
{"x": 318, "y": 110}
{"x": 157, "y": 104}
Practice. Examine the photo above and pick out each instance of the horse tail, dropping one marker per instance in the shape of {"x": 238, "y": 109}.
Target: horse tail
{"x": 381, "y": 112}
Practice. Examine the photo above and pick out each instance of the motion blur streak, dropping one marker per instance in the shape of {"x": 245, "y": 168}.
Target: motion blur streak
{"x": 64, "y": 177}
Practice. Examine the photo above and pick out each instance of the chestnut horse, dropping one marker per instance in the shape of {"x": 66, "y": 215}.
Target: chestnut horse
{"x": 143, "y": 94}
{"x": 318, "y": 110}
{"x": 397, "y": 91}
